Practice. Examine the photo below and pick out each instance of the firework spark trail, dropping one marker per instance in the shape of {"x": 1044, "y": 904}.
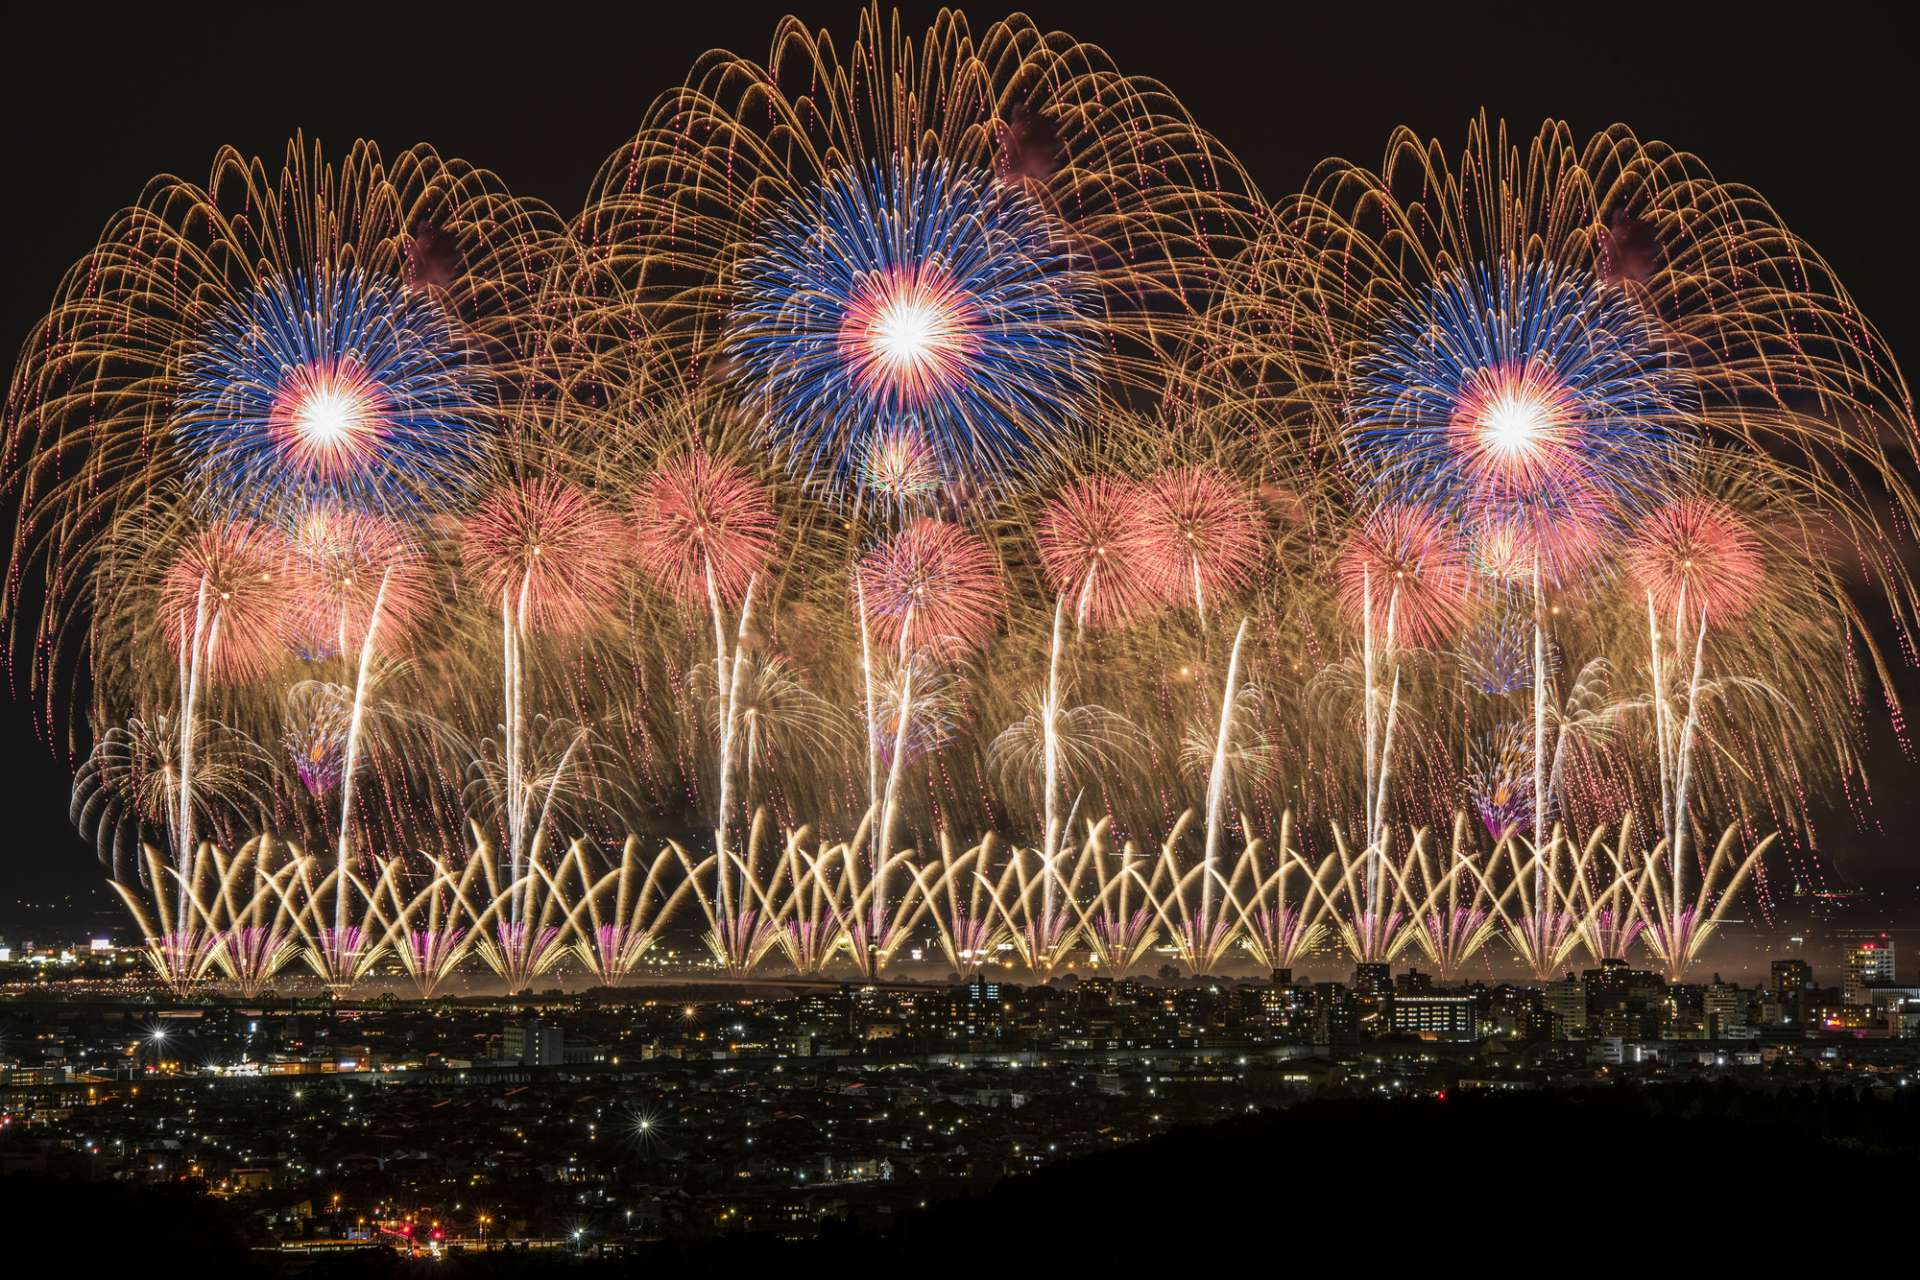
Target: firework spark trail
{"x": 705, "y": 531}
{"x": 1050, "y": 712}
{"x": 354, "y": 723}
{"x": 1217, "y": 776}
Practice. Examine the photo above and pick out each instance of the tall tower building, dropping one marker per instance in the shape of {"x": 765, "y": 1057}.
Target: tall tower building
{"x": 1869, "y": 964}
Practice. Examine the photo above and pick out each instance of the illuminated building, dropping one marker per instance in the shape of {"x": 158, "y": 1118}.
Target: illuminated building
{"x": 531, "y": 1043}
{"x": 1567, "y": 1002}
{"x": 1791, "y": 981}
{"x": 1336, "y": 1017}
{"x": 1372, "y": 979}
{"x": 1436, "y": 1017}
{"x": 1869, "y": 964}
{"x": 1724, "y": 1005}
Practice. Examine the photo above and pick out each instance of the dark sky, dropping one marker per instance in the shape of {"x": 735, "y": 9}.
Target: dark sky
{"x": 1816, "y": 111}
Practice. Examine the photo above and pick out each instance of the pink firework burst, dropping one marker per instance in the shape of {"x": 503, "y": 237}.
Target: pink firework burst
{"x": 908, "y": 335}
{"x": 1095, "y": 552}
{"x": 1697, "y": 554}
{"x": 549, "y": 551}
{"x": 232, "y": 585}
{"x": 932, "y": 586}
{"x": 701, "y": 520}
{"x": 1202, "y": 536}
{"x": 1517, "y": 427}
{"x": 1406, "y": 562}
{"x": 1562, "y": 532}
{"x": 329, "y": 418}
{"x": 345, "y": 561}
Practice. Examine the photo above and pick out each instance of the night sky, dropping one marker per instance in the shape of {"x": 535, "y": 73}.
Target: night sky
{"x": 1817, "y": 114}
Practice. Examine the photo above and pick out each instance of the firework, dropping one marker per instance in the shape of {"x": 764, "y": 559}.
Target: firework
{"x": 1696, "y": 555}
{"x": 1095, "y": 551}
{"x": 916, "y": 296}
{"x": 961, "y": 902}
{"x": 1678, "y": 927}
{"x": 1406, "y": 561}
{"x": 548, "y": 552}
{"x": 350, "y": 566}
{"x": 431, "y": 931}
{"x": 316, "y": 739}
{"x": 294, "y": 478}
{"x": 1451, "y": 918}
{"x": 900, "y": 467}
{"x": 358, "y": 303}
{"x": 704, "y": 527}
{"x": 742, "y": 923}
{"x": 1517, "y": 382}
{"x": 228, "y": 600}
{"x": 932, "y": 586}
{"x": 1496, "y": 655}
{"x": 342, "y": 390}
{"x": 128, "y": 788}
{"x": 1502, "y": 785}
{"x": 981, "y": 260}
{"x": 626, "y": 908}
{"x": 1202, "y": 536}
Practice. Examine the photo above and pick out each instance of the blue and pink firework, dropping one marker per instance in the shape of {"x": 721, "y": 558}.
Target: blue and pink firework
{"x": 336, "y": 390}
{"x": 1498, "y": 392}
{"x": 923, "y": 300}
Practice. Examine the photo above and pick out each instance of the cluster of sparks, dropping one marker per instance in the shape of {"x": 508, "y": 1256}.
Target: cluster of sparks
{"x": 991, "y": 544}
